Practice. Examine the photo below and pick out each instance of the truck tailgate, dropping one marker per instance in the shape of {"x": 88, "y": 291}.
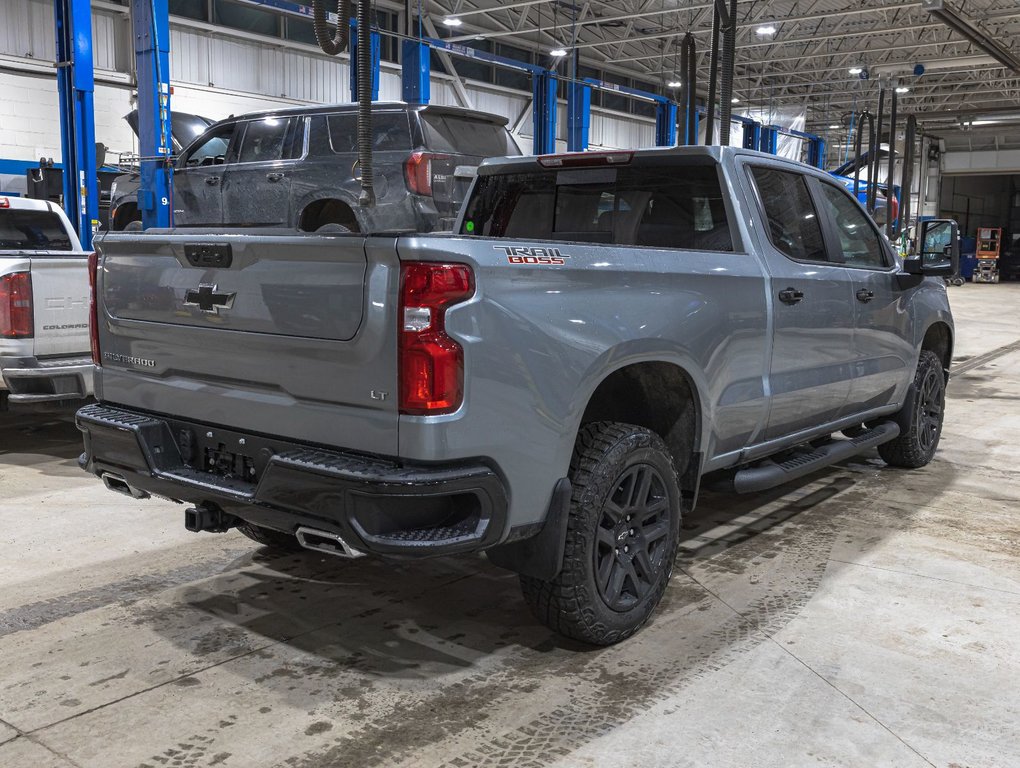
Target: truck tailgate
{"x": 60, "y": 304}
{"x": 285, "y": 335}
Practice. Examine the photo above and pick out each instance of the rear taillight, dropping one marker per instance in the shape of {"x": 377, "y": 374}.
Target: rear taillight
{"x": 431, "y": 363}
{"x": 93, "y": 310}
{"x": 16, "y": 306}
{"x": 418, "y": 172}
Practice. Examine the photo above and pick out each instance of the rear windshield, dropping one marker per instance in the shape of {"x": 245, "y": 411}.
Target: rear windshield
{"x": 680, "y": 206}
{"x": 463, "y": 136}
{"x": 32, "y": 231}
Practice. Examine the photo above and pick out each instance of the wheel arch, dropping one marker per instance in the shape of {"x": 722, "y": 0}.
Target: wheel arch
{"x": 938, "y": 337}
{"x": 332, "y": 209}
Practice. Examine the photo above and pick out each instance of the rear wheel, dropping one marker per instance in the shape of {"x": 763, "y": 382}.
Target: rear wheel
{"x": 267, "y": 537}
{"x": 915, "y": 446}
{"x": 622, "y": 536}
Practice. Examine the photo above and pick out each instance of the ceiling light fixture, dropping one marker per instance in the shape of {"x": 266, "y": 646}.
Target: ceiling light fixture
{"x": 452, "y": 21}
{"x": 766, "y": 31}
{"x": 856, "y": 70}
{"x": 735, "y": 100}
{"x": 902, "y": 89}
{"x": 674, "y": 84}
{"x": 558, "y": 52}
{"x": 833, "y": 127}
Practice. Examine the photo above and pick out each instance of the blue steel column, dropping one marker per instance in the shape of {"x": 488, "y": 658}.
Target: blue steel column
{"x": 416, "y": 71}
{"x": 543, "y": 87}
{"x": 376, "y": 49}
{"x": 75, "y": 86}
{"x": 816, "y": 152}
{"x": 770, "y": 138}
{"x": 578, "y": 116}
{"x": 665, "y": 124}
{"x": 752, "y": 135}
{"x": 151, "y": 25}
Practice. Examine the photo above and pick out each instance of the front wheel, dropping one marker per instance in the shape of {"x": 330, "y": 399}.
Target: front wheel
{"x": 915, "y": 446}
{"x": 622, "y": 536}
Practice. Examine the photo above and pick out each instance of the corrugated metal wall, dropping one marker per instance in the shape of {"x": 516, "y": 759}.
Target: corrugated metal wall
{"x": 220, "y": 74}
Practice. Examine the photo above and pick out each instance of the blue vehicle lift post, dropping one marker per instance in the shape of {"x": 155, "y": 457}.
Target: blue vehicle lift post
{"x": 543, "y": 87}
{"x": 769, "y": 139}
{"x": 578, "y": 115}
{"x": 151, "y": 19}
{"x": 75, "y": 88}
{"x": 376, "y": 56}
{"x": 665, "y": 124}
{"x": 416, "y": 71}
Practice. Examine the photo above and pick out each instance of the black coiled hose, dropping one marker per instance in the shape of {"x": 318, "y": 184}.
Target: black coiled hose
{"x": 726, "y": 80}
{"x": 857, "y": 148}
{"x": 365, "y": 103}
{"x": 689, "y": 52}
{"x": 713, "y": 79}
{"x": 890, "y": 222}
{"x": 907, "y": 180}
{"x": 873, "y": 164}
{"x": 338, "y": 42}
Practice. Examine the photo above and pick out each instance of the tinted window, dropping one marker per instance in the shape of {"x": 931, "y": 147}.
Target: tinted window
{"x": 662, "y": 208}
{"x": 272, "y": 138}
{"x": 32, "y": 231}
{"x": 390, "y": 131}
{"x": 211, "y": 149}
{"x": 857, "y": 238}
{"x": 793, "y": 222}
{"x": 462, "y": 136}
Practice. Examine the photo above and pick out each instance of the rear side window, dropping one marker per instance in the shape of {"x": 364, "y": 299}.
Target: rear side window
{"x": 857, "y": 237}
{"x": 272, "y": 138}
{"x": 674, "y": 207}
{"x": 32, "y": 231}
{"x": 390, "y": 131}
{"x": 793, "y": 221}
{"x": 463, "y": 136}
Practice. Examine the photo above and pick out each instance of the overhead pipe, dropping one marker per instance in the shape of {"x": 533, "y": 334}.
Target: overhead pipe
{"x": 907, "y": 177}
{"x": 726, "y": 80}
{"x": 873, "y": 157}
{"x": 890, "y": 193}
{"x": 337, "y": 43}
{"x": 713, "y": 77}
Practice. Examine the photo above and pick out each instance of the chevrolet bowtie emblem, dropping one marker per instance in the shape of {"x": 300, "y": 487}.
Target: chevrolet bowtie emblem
{"x": 208, "y": 300}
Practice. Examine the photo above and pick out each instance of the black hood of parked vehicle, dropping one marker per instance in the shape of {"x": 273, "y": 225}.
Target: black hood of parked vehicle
{"x": 184, "y": 127}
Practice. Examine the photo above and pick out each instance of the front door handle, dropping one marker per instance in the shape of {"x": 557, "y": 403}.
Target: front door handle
{"x": 274, "y": 176}
{"x": 790, "y": 295}
{"x": 212, "y": 179}
{"x": 865, "y": 295}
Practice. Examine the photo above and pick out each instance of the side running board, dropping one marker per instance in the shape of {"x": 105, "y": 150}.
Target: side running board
{"x": 769, "y": 474}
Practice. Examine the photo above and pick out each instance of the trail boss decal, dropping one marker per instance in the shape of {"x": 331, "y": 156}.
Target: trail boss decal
{"x": 520, "y": 254}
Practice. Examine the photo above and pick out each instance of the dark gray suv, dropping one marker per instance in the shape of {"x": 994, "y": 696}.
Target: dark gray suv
{"x": 299, "y": 168}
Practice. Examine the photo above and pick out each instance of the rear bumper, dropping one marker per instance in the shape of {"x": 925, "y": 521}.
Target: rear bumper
{"x": 31, "y": 380}
{"x": 377, "y": 505}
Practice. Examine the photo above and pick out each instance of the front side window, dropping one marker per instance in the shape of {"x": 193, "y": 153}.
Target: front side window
{"x": 857, "y": 237}
{"x": 679, "y": 207}
{"x": 271, "y": 139}
{"x": 792, "y": 220}
{"x": 212, "y": 149}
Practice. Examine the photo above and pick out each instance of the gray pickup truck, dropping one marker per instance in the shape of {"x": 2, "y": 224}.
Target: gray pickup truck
{"x": 550, "y": 385}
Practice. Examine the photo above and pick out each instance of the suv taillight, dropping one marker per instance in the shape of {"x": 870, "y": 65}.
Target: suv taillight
{"x": 93, "y": 308}
{"x": 418, "y": 172}
{"x": 431, "y": 363}
{"x": 16, "y": 306}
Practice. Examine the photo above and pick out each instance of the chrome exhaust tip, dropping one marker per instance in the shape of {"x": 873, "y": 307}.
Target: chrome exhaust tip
{"x": 326, "y": 542}
{"x": 120, "y": 485}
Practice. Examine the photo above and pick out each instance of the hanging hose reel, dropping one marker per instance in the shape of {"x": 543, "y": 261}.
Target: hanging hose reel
{"x": 338, "y": 43}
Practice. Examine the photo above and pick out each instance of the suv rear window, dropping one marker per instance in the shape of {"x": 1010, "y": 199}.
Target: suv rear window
{"x": 463, "y": 136}
{"x": 32, "y": 231}
{"x": 664, "y": 207}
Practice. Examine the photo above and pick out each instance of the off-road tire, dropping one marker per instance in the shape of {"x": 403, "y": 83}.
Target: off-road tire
{"x": 916, "y": 444}
{"x": 267, "y": 537}
{"x": 607, "y": 455}
{"x": 333, "y": 229}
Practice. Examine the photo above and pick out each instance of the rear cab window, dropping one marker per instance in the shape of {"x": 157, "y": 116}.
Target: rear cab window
{"x": 23, "y": 230}
{"x": 793, "y": 224}
{"x": 462, "y": 135}
{"x": 679, "y": 206}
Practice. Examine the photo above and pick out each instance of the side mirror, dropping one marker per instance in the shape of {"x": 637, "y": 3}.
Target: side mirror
{"x": 916, "y": 265}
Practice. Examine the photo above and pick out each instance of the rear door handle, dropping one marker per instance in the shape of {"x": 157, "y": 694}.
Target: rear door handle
{"x": 212, "y": 179}
{"x": 865, "y": 295}
{"x": 790, "y": 295}
{"x": 274, "y": 176}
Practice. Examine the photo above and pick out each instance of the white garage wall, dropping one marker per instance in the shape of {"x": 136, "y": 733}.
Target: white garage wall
{"x": 214, "y": 73}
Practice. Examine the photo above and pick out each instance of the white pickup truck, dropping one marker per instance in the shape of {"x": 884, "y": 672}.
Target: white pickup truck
{"x": 44, "y": 306}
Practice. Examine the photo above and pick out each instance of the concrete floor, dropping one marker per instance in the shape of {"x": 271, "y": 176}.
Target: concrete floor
{"x": 868, "y": 617}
